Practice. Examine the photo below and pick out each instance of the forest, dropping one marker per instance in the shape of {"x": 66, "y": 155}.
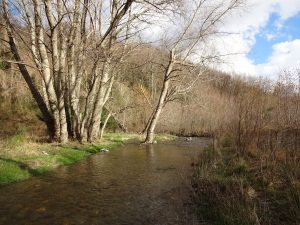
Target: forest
{"x": 84, "y": 74}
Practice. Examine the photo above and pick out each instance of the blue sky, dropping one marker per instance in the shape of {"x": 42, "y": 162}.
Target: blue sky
{"x": 268, "y": 38}
{"x": 274, "y": 32}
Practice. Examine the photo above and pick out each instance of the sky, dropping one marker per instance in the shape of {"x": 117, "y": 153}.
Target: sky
{"x": 267, "y": 38}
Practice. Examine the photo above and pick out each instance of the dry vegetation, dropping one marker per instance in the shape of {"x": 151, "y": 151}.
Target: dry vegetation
{"x": 251, "y": 174}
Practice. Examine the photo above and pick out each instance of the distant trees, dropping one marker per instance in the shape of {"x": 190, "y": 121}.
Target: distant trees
{"x": 266, "y": 113}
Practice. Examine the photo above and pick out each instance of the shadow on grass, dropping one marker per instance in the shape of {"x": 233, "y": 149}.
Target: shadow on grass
{"x": 23, "y": 166}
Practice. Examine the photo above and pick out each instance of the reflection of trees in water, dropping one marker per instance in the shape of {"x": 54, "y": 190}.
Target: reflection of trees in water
{"x": 150, "y": 151}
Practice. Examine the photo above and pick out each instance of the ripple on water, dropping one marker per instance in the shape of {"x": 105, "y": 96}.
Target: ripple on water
{"x": 130, "y": 185}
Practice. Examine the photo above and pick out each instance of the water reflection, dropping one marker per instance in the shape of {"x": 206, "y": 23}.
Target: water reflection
{"x": 131, "y": 185}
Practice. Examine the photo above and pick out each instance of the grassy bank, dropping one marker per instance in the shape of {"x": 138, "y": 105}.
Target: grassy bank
{"x": 21, "y": 159}
{"x": 253, "y": 189}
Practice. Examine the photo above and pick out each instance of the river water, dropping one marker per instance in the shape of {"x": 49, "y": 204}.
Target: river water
{"x": 133, "y": 184}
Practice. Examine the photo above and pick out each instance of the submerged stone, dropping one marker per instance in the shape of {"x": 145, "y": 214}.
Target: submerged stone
{"x": 104, "y": 150}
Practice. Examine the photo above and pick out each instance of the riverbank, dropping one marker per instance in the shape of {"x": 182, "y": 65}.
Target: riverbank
{"x": 258, "y": 187}
{"x": 21, "y": 159}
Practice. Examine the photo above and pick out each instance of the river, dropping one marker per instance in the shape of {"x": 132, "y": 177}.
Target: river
{"x": 133, "y": 184}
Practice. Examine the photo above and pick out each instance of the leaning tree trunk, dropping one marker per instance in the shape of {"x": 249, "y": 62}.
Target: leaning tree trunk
{"x": 48, "y": 118}
{"x": 161, "y": 102}
{"x": 150, "y": 130}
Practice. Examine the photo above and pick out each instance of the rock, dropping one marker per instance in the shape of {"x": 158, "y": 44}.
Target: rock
{"x": 188, "y": 138}
{"x": 154, "y": 142}
{"x": 104, "y": 150}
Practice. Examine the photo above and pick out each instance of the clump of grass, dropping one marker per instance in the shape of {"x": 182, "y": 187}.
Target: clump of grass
{"x": 10, "y": 171}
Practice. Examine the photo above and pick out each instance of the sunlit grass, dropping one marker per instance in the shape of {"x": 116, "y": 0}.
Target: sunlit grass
{"x": 11, "y": 172}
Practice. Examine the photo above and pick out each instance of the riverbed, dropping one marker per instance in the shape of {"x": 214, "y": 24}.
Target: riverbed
{"x": 132, "y": 184}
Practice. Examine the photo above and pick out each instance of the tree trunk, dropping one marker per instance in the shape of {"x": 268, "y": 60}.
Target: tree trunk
{"x": 45, "y": 68}
{"x": 150, "y": 131}
{"x": 32, "y": 87}
{"x": 161, "y": 102}
{"x": 104, "y": 125}
{"x": 105, "y": 87}
{"x": 58, "y": 67}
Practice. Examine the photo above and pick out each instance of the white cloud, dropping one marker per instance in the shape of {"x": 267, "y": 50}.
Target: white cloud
{"x": 246, "y": 23}
{"x": 284, "y": 55}
{"x": 270, "y": 36}
{"x": 249, "y": 23}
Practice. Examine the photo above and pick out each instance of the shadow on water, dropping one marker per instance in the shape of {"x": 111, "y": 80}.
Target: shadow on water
{"x": 134, "y": 184}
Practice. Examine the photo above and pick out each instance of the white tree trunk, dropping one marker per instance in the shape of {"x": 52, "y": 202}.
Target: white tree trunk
{"x": 161, "y": 102}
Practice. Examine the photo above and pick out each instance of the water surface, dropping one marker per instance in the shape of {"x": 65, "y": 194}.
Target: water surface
{"x": 133, "y": 184}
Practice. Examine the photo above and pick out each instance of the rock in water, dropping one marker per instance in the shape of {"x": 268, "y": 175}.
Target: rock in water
{"x": 104, "y": 150}
{"x": 188, "y": 139}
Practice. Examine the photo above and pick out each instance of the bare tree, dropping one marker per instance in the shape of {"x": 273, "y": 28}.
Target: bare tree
{"x": 189, "y": 51}
{"x": 76, "y": 47}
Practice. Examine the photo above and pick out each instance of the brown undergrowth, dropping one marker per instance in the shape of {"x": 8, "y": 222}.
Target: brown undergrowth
{"x": 248, "y": 189}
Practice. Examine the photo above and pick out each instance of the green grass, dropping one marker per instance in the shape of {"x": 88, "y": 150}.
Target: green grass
{"x": 11, "y": 172}
{"x": 120, "y": 137}
{"x": 164, "y": 137}
{"x": 123, "y": 137}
